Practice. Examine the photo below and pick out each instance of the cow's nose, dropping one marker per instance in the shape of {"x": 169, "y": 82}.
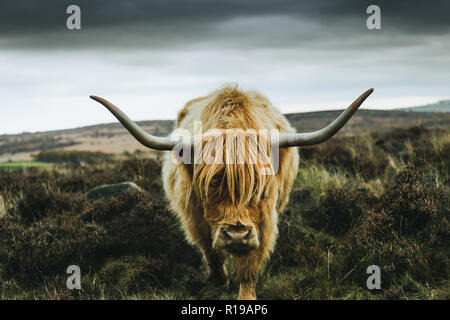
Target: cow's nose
{"x": 236, "y": 234}
{"x": 236, "y": 238}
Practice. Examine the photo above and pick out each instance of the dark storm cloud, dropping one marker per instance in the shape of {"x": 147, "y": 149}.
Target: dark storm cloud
{"x": 30, "y": 16}
{"x": 302, "y": 54}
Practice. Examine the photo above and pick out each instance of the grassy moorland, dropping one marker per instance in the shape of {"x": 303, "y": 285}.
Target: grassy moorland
{"x": 380, "y": 199}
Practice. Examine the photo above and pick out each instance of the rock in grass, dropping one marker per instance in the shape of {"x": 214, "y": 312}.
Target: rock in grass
{"x": 108, "y": 191}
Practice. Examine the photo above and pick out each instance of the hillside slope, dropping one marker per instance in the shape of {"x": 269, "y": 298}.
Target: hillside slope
{"x": 441, "y": 106}
{"x": 113, "y": 138}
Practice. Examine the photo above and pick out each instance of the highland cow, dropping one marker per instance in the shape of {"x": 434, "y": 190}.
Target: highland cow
{"x": 226, "y": 205}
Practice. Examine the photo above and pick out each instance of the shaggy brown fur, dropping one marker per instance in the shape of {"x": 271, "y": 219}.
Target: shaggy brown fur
{"x": 206, "y": 196}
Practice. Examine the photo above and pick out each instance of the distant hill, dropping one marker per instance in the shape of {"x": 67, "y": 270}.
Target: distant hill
{"x": 113, "y": 138}
{"x": 366, "y": 121}
{"x": 441, "y": 106}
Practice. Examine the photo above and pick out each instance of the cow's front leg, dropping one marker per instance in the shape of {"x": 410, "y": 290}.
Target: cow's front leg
{"x": 214, "y": 261}
{"x": 247, "y": 268}
{"x": 249, "y": 265}
{"x": 198, "y": 232}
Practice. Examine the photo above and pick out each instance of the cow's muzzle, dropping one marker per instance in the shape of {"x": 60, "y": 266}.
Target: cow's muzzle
{"x": 236, "y": 238}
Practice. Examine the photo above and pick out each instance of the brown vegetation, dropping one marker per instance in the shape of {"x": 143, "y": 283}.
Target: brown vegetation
{"x": 343, "y": 216}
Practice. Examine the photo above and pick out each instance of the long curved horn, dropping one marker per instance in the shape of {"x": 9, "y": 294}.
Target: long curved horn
{"x": 153, "y": 142}
{"x": 310, "y": 138}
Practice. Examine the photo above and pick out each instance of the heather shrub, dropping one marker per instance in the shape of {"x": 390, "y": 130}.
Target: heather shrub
{"x": 18, "y": 182}
{"x": 400, "y": 234}
{"x": 394, "y": 142}
{"x": 143, "y": 172}
{"x": 35, "y": 253}
{"x": 72, "y": 156}
{"x": 408, "y": 202}
{"x": 348, "y": 156}
{"x": 130, "y": 224}
{"x": 338, "y": 210}
{"x": 42, "y": 202}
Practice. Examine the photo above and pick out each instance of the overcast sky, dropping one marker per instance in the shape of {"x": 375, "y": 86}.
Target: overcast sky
{"x": 150, "y": 57}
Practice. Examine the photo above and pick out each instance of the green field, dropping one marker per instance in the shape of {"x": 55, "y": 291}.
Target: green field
{"x": 23, "y": 164}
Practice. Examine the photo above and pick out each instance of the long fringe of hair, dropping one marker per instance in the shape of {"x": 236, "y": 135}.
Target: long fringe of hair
{"x": 236, "y": 174}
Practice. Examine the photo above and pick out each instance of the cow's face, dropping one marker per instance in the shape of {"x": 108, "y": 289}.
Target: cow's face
{"x": 237, "y": 193}
{"x": 240, "y": 230}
